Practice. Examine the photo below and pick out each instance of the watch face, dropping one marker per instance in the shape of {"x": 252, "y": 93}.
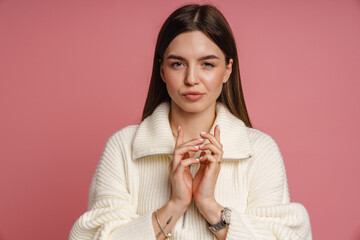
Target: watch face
{"x": 227, "y": 215}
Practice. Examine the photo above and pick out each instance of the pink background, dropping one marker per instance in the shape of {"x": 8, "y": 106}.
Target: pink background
{"x": 74, "y": 72}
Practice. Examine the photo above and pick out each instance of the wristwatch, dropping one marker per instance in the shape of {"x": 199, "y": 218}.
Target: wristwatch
{"x": 225, "y": 220}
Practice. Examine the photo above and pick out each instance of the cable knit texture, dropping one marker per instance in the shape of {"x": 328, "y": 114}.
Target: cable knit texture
{"x": 132, "y": 180}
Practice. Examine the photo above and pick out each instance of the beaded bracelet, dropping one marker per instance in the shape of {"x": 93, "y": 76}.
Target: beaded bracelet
{"x": 162, "y": 230}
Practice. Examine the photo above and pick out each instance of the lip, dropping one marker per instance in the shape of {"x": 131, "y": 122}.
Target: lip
{"x": 192, "y": 95}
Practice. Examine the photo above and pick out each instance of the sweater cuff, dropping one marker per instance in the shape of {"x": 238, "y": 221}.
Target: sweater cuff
{"x": 140, "y": 228}
{"x": 243, "y": 226}
{"x": 284, "y": 221}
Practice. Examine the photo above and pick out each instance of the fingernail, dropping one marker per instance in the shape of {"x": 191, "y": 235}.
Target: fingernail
{"x": 197, "y": 159}
{"x": 203, "y": 133}
{"x": 201, "y": 157}
{"x": 196, "y": 147}
{"x": 202, "y": 145}
{"x": 201, "y": 139}
{"x": 179, "y": 128}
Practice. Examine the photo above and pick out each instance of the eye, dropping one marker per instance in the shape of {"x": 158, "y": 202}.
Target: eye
{"x": 176, "y": 64}
{"x": 210, "y": 65}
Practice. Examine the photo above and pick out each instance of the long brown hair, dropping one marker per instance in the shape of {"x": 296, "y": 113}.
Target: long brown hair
{"x": 210, "y": 21}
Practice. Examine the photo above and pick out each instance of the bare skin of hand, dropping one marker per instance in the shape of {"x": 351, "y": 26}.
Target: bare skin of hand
{"x": 202, "y": 186}
{"x": 204, "y": 182}
{"x": 180, "y": 175}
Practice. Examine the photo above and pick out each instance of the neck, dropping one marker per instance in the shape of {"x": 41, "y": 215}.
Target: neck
{"x": 192, "y": 123}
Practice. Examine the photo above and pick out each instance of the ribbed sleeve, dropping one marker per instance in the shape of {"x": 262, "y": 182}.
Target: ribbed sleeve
{"x": 112, "y": 208}
{"x": 269, "y": 213}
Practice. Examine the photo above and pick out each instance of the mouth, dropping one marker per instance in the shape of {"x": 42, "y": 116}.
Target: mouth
{"x": 193, "y": 96}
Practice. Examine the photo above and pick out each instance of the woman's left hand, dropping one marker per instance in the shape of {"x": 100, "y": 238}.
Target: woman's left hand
{"x": 206, "y": 177}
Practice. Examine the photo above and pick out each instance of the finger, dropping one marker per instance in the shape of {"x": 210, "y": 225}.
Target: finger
{"x": 179, "y": 138}
{"x": 185, "y": 163}
{"x": 217, "y": 132}
{"x": 209, "y": 158}
{"x": 184, "y": 149}
{"x": 202, "y": 155}
{"x": 203, "y": 159}
{"x": 181, "y": 152}
{"x": 211, "y": 138}
{"x": 193, "y": 142}
{"x": 214, "y": 149}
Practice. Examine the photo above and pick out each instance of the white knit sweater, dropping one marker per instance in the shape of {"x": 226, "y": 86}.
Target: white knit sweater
{"x": 132, "y": 180}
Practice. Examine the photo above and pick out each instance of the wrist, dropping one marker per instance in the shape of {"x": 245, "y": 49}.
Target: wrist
{"x": 221, "y": 227}
{"x": 177, "y": 207}
{"x": 205, "y": 205}
{"x": 211, "y": 211}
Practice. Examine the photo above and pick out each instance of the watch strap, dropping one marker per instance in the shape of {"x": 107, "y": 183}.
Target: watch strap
{"x": 216, "y": 227}
{"x": 222, "y": 223}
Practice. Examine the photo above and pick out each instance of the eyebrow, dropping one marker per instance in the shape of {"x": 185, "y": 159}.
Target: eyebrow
{"x": 200, "y": 59}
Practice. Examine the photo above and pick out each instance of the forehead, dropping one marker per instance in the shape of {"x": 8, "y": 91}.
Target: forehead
{"x": 193, "y": 44}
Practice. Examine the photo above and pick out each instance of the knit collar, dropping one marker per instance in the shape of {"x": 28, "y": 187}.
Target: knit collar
{"x": 154, "y": 135}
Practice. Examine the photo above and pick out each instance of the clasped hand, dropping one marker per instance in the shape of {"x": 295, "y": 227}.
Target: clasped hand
{"x": 202, "y": 186}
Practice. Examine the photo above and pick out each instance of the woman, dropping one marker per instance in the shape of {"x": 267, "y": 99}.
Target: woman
{"x": 194, "y": 168}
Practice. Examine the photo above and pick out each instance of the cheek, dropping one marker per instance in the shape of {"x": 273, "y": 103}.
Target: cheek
{"x": 214, "y": 79}
{"x": 171, "y": 88}
{"x": 172, "y": 85}
{"x": 174, "y": 80}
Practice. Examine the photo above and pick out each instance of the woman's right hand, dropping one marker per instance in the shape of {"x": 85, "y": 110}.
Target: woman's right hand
{"x": 180, "y": 175}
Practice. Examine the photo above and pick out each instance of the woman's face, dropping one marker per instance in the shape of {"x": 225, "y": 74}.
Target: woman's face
{"x": 194, "y": 71}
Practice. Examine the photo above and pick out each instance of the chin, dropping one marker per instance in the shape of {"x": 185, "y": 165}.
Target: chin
{"x": 192, "y": 107}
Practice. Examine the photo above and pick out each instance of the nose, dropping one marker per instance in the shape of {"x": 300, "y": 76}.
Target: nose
{"x": 191, "y": 77}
